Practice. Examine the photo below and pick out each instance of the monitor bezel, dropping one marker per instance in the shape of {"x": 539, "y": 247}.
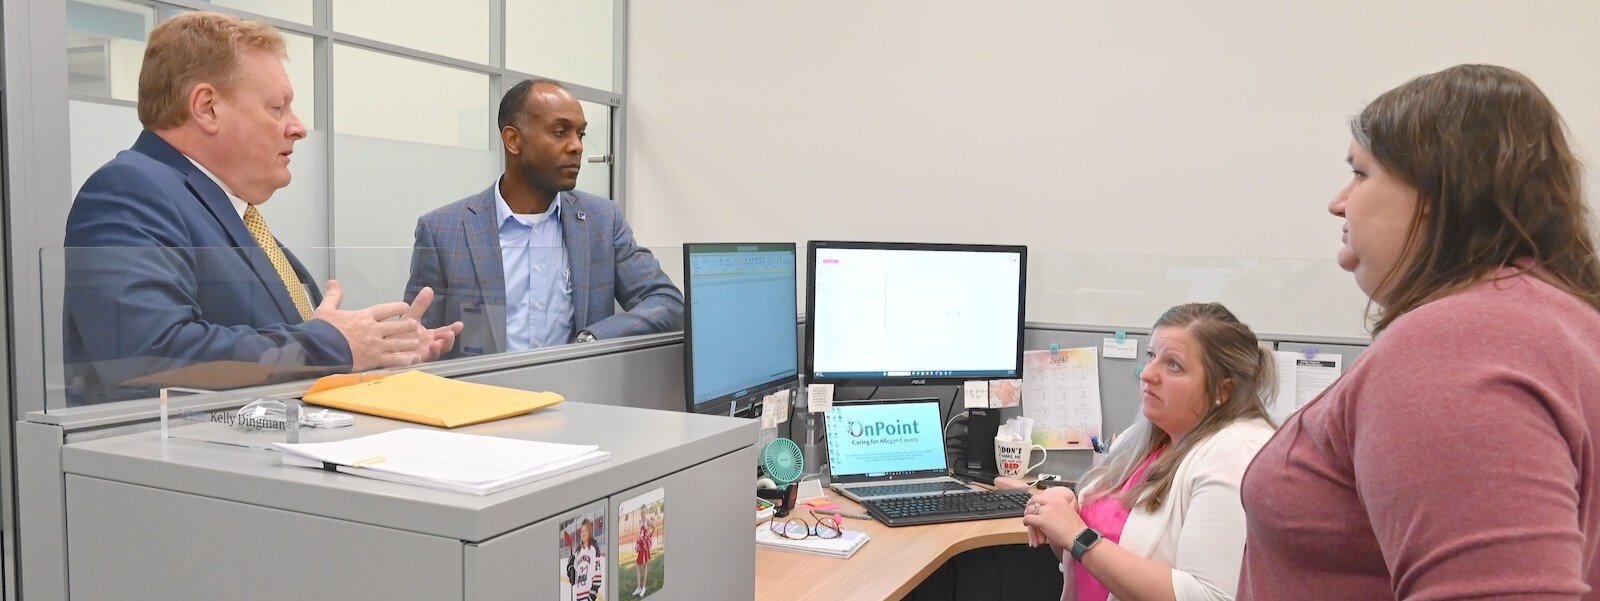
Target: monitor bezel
{"x": 734, "y": 402}
{"x": 811, "y": 314}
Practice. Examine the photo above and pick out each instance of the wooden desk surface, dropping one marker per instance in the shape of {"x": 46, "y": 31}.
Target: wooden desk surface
{"x": 895, "y": 561}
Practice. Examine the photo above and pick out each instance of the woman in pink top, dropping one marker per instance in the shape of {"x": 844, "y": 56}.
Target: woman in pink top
{"x": 1459, "y": 457}
{"x": 1161, "y": 518}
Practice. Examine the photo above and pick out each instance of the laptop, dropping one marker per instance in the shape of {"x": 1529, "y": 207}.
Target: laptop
{"x": 889, "y": 448}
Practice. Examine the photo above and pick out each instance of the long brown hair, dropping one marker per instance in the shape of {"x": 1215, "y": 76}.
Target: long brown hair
{"x": 1498, "y": 186}
{"x": 1238, "y": 372}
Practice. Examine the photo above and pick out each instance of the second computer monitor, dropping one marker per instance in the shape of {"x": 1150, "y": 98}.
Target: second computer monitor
{"x": 884, "y": 313}
{"x": 739, "y": 333}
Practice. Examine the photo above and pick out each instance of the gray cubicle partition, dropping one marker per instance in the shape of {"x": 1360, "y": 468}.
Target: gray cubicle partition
{"x": 114, "y": 512}
{"x": 70, "y": 462}
{"x": 1119, "y": 380}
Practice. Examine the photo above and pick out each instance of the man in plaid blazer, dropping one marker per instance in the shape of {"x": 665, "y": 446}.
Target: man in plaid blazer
{"x": 530, "y": 262}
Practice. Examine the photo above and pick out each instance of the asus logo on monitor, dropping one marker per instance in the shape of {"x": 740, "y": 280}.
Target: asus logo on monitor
{"x": 918, "y": 382}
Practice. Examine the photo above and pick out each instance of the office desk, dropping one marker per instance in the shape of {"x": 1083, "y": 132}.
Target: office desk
{"x": 895, "y": 561}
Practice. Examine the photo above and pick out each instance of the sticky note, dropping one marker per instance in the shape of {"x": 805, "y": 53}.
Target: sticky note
{"x": 780, "y": 405}
{"x": 976, "y": 393}
{"x": 1126, "y": 348}
{"x": 819, "y": 398}
{"x": 767, "y": 414}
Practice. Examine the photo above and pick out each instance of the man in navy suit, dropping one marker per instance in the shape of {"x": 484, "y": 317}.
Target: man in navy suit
{"x": 530, "y": 262}
{"x": 171, "y": 272}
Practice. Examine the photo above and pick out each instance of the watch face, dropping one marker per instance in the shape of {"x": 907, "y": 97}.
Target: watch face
{"x": 1087, "y": 537}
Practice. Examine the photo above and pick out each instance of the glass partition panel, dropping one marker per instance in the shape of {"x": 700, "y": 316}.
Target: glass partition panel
{"x": 457, "y": 29}
{"x": 121, "y": 323}
{"x": 105, "y": 46}
{"x": 385, "y": 96}
{"x": 299, "y": 11}
{"x": 105, "y": 50}
{"x": 559, "y": 39}
{"x": 1306, "y": 297}
{"x": 595, "y": 175}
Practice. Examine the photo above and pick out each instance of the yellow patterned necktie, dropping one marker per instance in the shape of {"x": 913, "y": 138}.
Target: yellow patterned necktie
{"x": 280, "y": 262}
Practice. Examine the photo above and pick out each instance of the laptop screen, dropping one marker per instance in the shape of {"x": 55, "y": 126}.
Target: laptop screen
{"x": 872, "y": 439}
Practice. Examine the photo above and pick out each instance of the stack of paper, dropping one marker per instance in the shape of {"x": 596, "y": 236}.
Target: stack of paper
{"x": 444, "y": 460}
{"x": 844, "y": 546}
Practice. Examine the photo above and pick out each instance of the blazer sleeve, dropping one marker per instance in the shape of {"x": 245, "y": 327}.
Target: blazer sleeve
{"x": 651, "y": 303}
{"x": 427, "y": 271}
{"x": 1211, "y": 542}
{"x": 131, "y": 303}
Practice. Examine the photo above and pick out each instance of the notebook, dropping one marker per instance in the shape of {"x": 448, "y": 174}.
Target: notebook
{"x": 888, "y": 448}
{"x": 841, "y": 547}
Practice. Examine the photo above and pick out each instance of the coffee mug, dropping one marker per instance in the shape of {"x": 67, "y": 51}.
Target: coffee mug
{"x": 1011, "y": 456}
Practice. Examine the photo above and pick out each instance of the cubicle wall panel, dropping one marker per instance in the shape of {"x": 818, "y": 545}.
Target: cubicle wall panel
{"x": 41, "y": 505}
{"x": 1119, "y": 383}
{"x": 134, "y": 543}
{"x": 649, "y": 378}
{"x": 709, "y": 523}
{"x": 1119, "y": 390}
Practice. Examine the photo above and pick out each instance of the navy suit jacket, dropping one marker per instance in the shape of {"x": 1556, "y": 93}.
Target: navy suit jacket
{"x": 457, "y": 252}
{"x": 161, "y": 273}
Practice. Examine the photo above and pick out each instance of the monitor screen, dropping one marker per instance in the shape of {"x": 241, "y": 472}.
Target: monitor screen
{"x": 885, "y": 438}
{"x": 739, "y": 329}
{"x": 907, "y": 314}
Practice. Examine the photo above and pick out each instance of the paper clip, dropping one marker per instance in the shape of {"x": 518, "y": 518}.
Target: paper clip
{"x": 1311, "y": 351}
{"x": 1122, "y": 336}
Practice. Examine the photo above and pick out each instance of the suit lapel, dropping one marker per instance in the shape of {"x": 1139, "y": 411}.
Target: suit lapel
{"x": 210, "y": 195}
{"x": 483, "y": 244}
{"x": 575, "y": 235}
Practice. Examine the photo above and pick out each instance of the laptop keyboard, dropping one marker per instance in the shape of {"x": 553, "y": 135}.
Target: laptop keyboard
{"x": 894, "y": 490}
{"x": 956, "y": 507}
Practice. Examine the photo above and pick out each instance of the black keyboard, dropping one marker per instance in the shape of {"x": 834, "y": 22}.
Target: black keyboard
{"x": 894, "y": 490}
{"x": 954, "y": 507}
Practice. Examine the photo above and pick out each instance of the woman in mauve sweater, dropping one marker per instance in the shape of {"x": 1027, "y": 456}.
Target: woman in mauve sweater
{"x": 1459, "y": 457}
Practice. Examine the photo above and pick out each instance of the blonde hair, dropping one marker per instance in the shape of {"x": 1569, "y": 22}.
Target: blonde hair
{"x": 1234, "y": 360}
{"x": 191, "y": 49}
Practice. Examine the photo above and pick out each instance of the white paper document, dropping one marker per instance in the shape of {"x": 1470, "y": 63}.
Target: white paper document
{"x": 445, "y": 460}
{"x": 976, "y": 394}
{"x": 1128, "y": 348}
{"x": 819, "y": 398}
{"x": 1301, "y": 379}
{"x": 1061, "y": 393}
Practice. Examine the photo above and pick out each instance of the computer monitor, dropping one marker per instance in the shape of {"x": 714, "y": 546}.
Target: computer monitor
{"x": 739, "y": 335}
{"x": 897, "y": 314}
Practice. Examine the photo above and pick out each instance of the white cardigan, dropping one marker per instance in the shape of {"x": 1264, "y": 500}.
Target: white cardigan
{"x": 1199, "y": 530}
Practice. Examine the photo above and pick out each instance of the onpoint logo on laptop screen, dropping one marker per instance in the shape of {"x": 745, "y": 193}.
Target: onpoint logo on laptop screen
{"x": 872, "y": 439}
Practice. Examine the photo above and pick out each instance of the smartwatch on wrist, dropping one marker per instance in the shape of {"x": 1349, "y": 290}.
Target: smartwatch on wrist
{"x": 1082, "y": 542}
{"x": 584, "y": 336}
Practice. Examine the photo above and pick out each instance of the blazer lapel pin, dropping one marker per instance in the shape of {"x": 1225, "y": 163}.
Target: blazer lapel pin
{"x": 582, "y": 216}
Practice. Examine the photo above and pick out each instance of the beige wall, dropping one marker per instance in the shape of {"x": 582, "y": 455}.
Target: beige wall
{"x": 1189, "y": 129}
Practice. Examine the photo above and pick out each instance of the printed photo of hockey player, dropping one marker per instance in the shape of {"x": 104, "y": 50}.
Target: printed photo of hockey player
{"x": 583, "y": 555}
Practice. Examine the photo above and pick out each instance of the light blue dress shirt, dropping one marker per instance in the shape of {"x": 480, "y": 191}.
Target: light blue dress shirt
{"x": 538, "y": 281}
